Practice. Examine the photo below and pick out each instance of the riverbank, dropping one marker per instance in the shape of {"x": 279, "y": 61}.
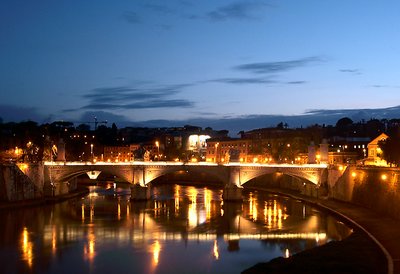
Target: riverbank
{"x": 80, "y": 191}
{"x": 369, "y": 249}
{"x": 355, "y": 254}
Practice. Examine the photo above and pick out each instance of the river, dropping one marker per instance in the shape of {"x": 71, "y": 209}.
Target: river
{"x": 183, "y": 229}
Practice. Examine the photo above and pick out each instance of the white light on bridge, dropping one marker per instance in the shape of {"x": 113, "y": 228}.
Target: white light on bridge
{"x": 93, "y": 174}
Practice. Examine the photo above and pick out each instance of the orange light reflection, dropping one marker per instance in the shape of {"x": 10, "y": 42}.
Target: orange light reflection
{"x": 27, "y": 247}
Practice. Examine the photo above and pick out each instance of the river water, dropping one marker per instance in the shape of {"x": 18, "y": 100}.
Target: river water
{"x": 184, "y": 229}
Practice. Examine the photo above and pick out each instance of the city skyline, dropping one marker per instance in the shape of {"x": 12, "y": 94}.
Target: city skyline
{"x": 185, "y": 61}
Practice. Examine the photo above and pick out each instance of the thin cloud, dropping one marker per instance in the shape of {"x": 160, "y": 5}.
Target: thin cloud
{"x": 110, "y": 98}
{"x": 132, "y": 17}
{"x": 238, "y": 11}
{"x": 179, "y": 10}
{"x": 185, "y": 3}
{"x": 19, "y": 113}
{"x": 123, "y": 94}
{"x": 281, "y": 66}
{"x": 379, "y": 86}
{"x": 324, "y": 112}
{"x": 142, "y": 105}
{"x": 164, "y": 27}
{"x": 383, "y": 86}
{"x": 351, "y": 71}
{"x": 205, "y": 113}
{"x": 241, "y": 10}
{"x": 159, "y": 8}
{"x": 296, "y": 82}
{"x": 242, "y": 81}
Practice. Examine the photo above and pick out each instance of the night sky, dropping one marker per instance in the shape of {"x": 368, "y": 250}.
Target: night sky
{"x": 184, "y": 60}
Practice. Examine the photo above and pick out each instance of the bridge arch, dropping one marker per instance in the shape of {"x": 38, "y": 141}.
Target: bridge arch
{"x": 312, "y": 176}
{"x": 152, "y": 173}
{"x": 67, "y": 173}
{"x": 276, "y": 179}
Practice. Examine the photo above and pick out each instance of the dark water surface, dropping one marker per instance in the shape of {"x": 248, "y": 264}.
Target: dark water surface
{"x": 184, "y": 229}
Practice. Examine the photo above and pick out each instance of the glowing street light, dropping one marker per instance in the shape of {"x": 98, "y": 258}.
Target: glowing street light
{"x": 158, "y": 149}
{"x": 216, "y": 152}
{"x": 91, "y": 151}
{"x": 18, "y": 151}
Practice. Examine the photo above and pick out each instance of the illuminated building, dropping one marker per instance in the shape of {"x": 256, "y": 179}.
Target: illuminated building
{"x": 220, "y": 150}
{"x": 375, "y": 152}
{"x": 119, "y": 153}
{"x": 198, "y": 143}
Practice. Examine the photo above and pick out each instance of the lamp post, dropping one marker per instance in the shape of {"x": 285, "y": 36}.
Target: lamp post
{"x": 81, "y": 156}
{"x": 91, "y": 151}
{"x": 216, "y": 152}
{"x": 158, "y": 149}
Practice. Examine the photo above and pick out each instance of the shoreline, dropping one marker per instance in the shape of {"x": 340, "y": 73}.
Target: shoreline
{"x": 354, "y": 254}
{"x": 359, "y": 252}
{"x": 80, "y": 191}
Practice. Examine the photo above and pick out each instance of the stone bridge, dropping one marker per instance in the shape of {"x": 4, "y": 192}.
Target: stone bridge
{"x": 140, "y": 174}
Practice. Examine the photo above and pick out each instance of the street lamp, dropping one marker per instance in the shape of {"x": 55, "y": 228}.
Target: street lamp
{"x": 91, "y": 151}
{"x": 158, "y": 149}
{"x": 216, "y": 152}
{"x": 81, "y": 156}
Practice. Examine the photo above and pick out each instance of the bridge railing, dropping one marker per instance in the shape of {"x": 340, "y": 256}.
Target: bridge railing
{"x": 174, "y": 163}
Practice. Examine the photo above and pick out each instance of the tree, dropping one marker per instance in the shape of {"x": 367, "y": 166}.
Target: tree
{"x": 374, "y": 127}
{"x": 343, "y": 126}
{"x": 344, "y": 123}
{"x": 391, "y": 149}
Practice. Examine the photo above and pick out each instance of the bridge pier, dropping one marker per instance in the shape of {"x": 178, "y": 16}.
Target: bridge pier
{"x": 232, "y": 193}
{"x": 233, "y": 190}
{"x": 140, "y": 193}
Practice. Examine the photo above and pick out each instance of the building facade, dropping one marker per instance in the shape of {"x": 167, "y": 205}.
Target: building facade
{"x": 374, "y": 152}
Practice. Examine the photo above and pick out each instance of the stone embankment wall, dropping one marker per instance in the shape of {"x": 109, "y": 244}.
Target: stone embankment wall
{"x": 376, "y": 188}
{"x": 16, "y": 186}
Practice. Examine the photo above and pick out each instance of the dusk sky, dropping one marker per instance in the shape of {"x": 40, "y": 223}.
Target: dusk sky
{"x": 181, "y": 60}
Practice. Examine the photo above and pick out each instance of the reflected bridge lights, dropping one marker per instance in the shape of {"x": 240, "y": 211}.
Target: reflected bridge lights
{"x": 54, "y": 240}
{"x": 155, "y": 249}
{"x": 287, "y": 253}
{"x": 27, "y": 248}
{"x": 176, "y": 198}
{"x": 89, "y": 248}
{"x": 193, "y": 218}
{"x": 215, "y": 250}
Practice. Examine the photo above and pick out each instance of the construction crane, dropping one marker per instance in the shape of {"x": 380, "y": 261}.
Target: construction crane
{"x": 96, "y": 122}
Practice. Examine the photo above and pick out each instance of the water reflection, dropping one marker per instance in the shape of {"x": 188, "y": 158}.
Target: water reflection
{"x": 89, "y": 247}
{"x": 26, "y": 247}
{"x": 155, "y": 249}
{"x": 183, "y": 228}
{"x": 215, "y": 250}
